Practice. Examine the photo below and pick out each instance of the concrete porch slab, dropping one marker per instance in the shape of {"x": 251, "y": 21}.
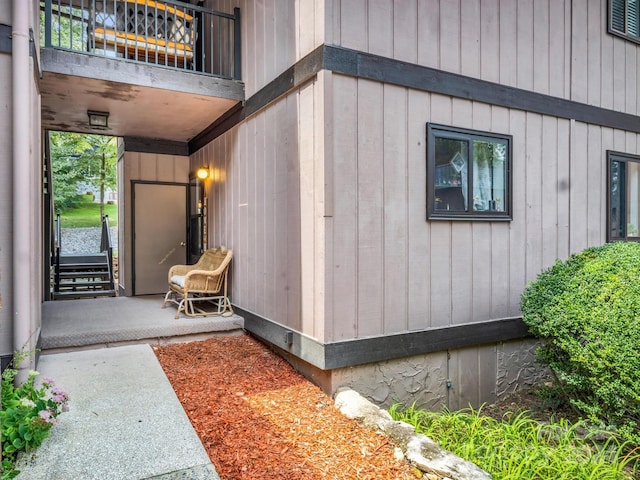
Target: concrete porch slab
{"x": 114, "y": 321}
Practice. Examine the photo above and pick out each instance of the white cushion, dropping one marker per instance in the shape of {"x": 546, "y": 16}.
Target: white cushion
{"x": 178, "y": 280}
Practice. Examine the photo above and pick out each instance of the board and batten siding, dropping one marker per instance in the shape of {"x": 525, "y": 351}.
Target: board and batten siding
{"x": 265, "y": 202}
{"x": 275, "y": 35}
{"x": 555, "y": 47}
{"x": 389, "y": 270}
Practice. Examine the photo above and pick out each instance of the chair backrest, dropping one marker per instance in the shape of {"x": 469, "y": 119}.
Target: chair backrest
{"x": 214, "y": 258}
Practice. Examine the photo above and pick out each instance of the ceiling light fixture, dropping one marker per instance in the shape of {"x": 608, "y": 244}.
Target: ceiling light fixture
{"x": 98, "y": 120}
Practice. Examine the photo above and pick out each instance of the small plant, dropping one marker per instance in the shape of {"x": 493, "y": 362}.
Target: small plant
{"x": 518, "y": 447}
{"x": 28, "y": 412}
{"x": 586, "y": 311}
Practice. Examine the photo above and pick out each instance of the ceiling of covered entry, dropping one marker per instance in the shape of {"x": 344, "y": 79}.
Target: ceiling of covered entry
{"x": 142, "y": 101}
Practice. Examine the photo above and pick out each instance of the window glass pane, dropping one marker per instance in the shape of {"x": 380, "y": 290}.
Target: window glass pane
{"x": 632, "y": 18}
{"x": 617, "y": 15}
{"x": 489, "y": 175}
{"x": 451, "y": 172}
{"x": 633, "y": 199}
{"x": 618, "y": 188}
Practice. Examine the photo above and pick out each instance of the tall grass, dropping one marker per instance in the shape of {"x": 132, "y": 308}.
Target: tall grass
{"x": 520, "y": 448}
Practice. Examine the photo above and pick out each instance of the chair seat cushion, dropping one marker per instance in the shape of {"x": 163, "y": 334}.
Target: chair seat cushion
{"x": 178, "y": 280}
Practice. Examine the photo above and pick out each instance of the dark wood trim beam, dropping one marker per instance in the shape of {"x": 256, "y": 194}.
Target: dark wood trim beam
{"x": 373, "y": 67}
{"x": 376, "y": 349}
{"x": 291, "y": 78}
{"x": 289, "y": 340}
{"x": 155, "y": 145}
{"x": 387, "y": 70}
{"x": 5, "y": 39}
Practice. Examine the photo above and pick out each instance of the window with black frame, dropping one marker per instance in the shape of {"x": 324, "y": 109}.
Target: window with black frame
{"x": 623, "y": 209}
{"x": 468, "y": 174}
{"x": 624, "y": 19}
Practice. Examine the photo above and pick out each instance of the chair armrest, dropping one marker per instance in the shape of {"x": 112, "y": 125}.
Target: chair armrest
{"x": 180, "y": 270}
{"x": 208, "y": 273}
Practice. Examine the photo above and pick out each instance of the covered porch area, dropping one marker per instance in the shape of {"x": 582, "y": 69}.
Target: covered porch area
{"x": 115, "y": 321}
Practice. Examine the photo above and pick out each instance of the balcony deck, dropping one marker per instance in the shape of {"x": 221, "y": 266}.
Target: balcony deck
{"x": 152, "y": 88}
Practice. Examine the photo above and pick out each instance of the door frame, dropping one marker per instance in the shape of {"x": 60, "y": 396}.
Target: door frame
{"x": 186, "y": 186}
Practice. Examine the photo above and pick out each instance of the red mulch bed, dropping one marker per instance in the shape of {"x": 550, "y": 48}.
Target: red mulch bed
{"x": 259, "y": 419}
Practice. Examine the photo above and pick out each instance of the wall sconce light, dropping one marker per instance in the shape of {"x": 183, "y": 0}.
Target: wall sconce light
{"x": 202, "y": 173}
{"x": 98, "y": 120}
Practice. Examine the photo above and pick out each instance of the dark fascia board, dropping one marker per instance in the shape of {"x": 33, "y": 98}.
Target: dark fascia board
{"x": 291, "y": 78}
{"x": 387, "y": 70}
{"x": 360, "y": 351}
{"x": 155, "y": 145}
{"x": 5, "y": 38}
{"x": 374, "y": 67}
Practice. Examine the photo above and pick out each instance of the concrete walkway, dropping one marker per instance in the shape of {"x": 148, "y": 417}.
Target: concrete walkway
{"x": 124, "y": 423}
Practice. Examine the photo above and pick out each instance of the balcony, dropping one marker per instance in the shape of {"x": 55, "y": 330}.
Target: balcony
{"x": 148, "y": 63}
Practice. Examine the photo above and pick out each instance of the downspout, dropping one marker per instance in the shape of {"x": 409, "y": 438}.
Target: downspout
{"x": 21, "y": 181}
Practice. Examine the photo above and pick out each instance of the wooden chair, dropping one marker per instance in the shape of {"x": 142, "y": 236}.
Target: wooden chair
{"x": 206, "y": 281}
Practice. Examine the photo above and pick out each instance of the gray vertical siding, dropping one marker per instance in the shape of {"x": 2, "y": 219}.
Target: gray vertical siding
{"x": 555, "y": 47}
{"x": 394, "y": 271}
{"x": 263, "y": 179}
{"x": 275, "y": 34}
{"x": 6, "y": 202}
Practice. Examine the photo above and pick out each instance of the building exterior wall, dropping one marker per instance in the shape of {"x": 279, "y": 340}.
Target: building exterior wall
{"x": 6, "y": 196}
{"x": 393, "y": 271}
{"x": 555, "y": 47}
{"x": 28, "y": 312}
{"x": 275, "y": 34}
{"x": 141, "y": 166}
{"x": 322, "y": 192}
{"x": 267, "y": 177}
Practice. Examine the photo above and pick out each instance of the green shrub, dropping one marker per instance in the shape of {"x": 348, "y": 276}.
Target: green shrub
{"x": 586, "y": 310}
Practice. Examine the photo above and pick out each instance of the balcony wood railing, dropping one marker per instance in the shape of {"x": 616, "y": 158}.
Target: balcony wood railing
{"x": 167, "y": 33}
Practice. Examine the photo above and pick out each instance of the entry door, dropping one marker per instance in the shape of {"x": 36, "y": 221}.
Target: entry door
{"x": 160, "y": 234}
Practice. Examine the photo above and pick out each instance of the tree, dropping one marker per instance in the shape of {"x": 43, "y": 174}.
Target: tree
{"x": 78, "y": 157}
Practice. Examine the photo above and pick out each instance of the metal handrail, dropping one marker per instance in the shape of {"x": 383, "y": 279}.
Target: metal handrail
{"x": 58, "y": 248}
{"x": 167, "y": 33}
{"x": 106, "y": 247}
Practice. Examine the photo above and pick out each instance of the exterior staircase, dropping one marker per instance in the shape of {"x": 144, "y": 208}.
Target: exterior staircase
{"x": 84, "y": 276}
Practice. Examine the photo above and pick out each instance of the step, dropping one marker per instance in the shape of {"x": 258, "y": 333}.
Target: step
{"x": 90, "y": 283}
{"x": 71, "y": 275}
{"x": 70, "y": 295}
{"x": 95, "y": 258}
{"x": 83, "y": 266}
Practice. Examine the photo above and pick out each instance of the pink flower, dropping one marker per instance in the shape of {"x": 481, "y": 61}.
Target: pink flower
{"x": 45, "y": 415}
{"x": 59, "y": 396}
{"x": 48, "y": 381}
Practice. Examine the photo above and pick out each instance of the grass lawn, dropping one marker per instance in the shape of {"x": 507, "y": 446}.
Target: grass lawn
{"x": 87, "y": 214}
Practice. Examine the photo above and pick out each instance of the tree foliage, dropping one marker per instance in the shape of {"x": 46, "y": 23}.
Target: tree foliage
{"x": 78, "y": 158}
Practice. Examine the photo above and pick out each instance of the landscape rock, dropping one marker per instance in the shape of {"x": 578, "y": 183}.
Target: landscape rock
{"x": 418, "y": 449}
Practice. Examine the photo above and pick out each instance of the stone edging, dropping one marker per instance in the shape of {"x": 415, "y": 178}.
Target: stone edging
{"x": 419, "y": 449}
